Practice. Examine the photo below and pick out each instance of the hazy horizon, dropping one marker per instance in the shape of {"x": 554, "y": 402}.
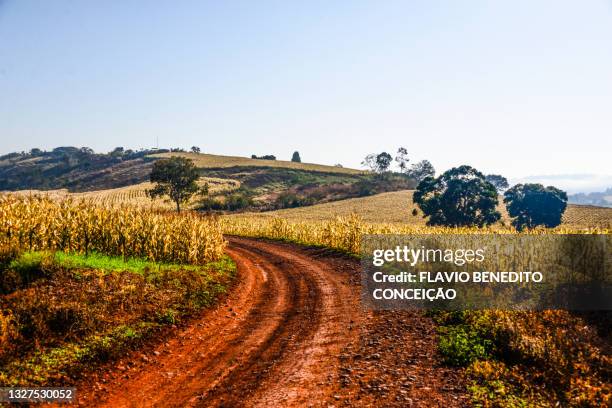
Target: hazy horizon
{"x": 516, "y": 88}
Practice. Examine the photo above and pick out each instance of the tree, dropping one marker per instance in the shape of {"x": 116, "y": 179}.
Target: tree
{"x": 459, "y": 197}
{"x": 530, "y": 205}
{"x": 421, "y": 170}
{"x": 500, "y": 182}
{"x": 378, "y": 163}
{"x": 296, "y": 157}
{"x": 383, "y": 161}
{"x": 117, "y": 152}
{"x": 195, "y": 149}
{"x": 402, "y": 159}
{"x": 369, "y": 161}
{"x": 175, "y": 177}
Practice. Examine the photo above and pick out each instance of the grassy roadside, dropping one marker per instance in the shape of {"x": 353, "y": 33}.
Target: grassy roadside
{"x": 63, "y": 313}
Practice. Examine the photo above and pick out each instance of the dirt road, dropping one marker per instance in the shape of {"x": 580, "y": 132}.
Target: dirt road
{"x": 291, "y": 333}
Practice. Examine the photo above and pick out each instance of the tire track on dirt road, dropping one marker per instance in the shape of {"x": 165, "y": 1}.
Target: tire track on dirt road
{"x": 275, "y": 341}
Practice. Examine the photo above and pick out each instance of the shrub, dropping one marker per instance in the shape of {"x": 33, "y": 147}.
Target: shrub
{"x": 289, "y": 199}
{"x": 460, "y": 345}
{"x": 232, "y": 202}
{"x": 264, "y": 157}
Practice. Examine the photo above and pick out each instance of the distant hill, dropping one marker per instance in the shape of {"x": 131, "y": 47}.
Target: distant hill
{"x": 203, "y": 160}
{"x": 76, "y": 169}
{"x": 81, "y": 169}
{"x": 601, "y": 199}
{"x": 258, "y": 184}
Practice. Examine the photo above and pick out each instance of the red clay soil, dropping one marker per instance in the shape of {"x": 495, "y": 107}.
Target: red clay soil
{"x": 291, "y": 333}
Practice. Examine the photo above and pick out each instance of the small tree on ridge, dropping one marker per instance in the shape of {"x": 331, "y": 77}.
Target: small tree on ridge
{"x": 176, "y": 178}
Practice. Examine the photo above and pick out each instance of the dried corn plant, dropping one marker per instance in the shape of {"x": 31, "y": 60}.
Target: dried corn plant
{"x": 31, "y": 223}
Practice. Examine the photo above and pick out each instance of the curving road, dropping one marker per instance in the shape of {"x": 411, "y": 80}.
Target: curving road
{"x": 291, "y": 333}
{"x": 274, "y": 341}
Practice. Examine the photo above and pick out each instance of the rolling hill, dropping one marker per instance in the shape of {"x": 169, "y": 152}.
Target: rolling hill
{"x": 121, "y": 176}
{"x": 203, "y": 160}
{"x": 397, "y": 207}
{"x": 81, "y": 169}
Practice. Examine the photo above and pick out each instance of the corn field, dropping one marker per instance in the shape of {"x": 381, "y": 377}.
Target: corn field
{"x": 40, "y": 223}
{"x": 345, "y": 233}
{"x": 133, "y": 195}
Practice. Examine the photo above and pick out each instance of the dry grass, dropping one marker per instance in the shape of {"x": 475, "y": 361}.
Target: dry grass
{"x": 215, "y": 161}
{"x": 134, "y": 195}
{"x": 396, "y": 208}
{"x": 579, "y": 216}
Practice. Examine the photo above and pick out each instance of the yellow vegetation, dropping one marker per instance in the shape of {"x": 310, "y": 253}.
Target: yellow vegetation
{"x": 396, "y": 207}
{"x": 135, "y": 195}
{"x": 344, "y": 232}
{"x": 39, "y": 223}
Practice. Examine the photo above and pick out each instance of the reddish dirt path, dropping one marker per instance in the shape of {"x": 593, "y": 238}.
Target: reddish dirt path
{"x": 291, "y": 333}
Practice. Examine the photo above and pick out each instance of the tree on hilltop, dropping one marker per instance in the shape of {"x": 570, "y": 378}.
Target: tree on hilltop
{"x": 421, "y": 170}
{"x": 296, "y": 157}
{"x": 177, "y": 178}
{"x": 459, "y": 197}
{"x": 402, "y": 159}
{"x": 531, "y": 205}
{"x": 378, "y": 163}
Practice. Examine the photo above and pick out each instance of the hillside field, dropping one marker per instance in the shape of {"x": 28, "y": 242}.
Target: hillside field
{"x": 397, "y": 207}
{"x": 202, "y": 160}
{"x": 134, "y": 195}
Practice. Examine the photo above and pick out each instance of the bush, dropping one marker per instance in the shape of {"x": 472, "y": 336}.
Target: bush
{"x": 530, "y": 358}
{"x": 238, "y": 201}
{"x": 232, "y": 202}
{"x": 289, "y": 199}
{"x": 265, "y": 157}
{"x": 365, "y": 188}
{"x": 460, "y": 346}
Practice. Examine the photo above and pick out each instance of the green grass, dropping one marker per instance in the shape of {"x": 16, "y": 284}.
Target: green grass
{"x": 114, "y": 263}
{"x": 27, "y": 261}
{"x": 31, "y": 261}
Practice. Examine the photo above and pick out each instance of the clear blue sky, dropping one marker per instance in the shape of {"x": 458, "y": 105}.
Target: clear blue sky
{"x": 512, "y": 87}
